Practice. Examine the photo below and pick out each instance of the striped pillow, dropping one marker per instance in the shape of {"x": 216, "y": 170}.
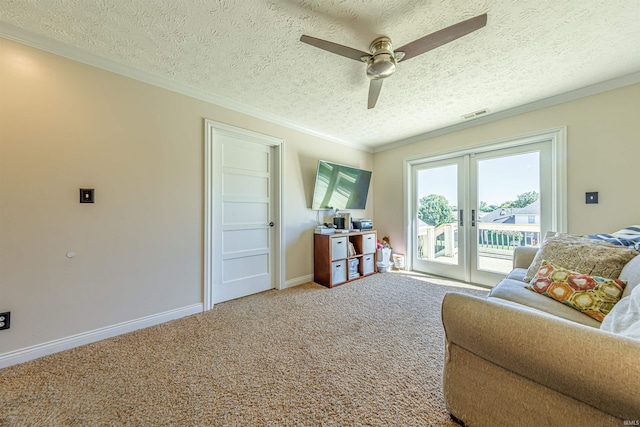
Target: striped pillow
{"x": 629, "y": 236}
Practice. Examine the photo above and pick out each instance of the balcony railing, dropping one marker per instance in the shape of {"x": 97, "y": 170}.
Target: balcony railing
{"x": 495, "y": 242}
{"x": 435, "y": 242}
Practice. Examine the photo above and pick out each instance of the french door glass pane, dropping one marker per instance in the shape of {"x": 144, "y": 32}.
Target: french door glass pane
{"x": 437, "y": 191}
{"x": 508, "y": 208}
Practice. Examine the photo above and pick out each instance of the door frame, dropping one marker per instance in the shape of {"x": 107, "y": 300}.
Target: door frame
{"x": 557, "y": 137}
{"x": 209, "y": 202}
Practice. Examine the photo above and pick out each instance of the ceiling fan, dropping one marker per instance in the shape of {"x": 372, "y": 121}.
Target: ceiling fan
{"x": 382, "y": 59}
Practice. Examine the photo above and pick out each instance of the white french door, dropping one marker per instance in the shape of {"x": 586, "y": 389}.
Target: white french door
{"x": 440, "y": 196}
{"x": 469, "y": 210}
{"x": 517, "y": 175}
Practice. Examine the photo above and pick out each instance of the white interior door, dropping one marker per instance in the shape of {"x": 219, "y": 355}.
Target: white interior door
{"x": 244, "y": 219}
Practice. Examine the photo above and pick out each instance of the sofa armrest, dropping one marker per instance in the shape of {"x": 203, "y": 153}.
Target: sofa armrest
{"x": 587, "y": 364}
{"x": 523, "y": 256}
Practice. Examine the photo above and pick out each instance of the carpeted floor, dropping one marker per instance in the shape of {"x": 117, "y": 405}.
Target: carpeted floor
{"x": 368, "y": 353}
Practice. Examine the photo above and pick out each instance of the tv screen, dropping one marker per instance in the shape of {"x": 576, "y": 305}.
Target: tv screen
{"x": 340, "y": 187}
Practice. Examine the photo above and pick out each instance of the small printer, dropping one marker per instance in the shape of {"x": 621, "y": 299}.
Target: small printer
{"x": 363, "y": 224}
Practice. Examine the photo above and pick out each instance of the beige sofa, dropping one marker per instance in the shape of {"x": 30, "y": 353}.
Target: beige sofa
{"x": 521, "y": 358}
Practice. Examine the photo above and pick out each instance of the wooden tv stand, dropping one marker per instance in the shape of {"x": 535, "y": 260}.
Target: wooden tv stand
{"x": 332, "y": 257}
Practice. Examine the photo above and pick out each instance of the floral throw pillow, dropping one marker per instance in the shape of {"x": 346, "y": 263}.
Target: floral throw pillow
{"x": 579, "y": 253}
{"x": 592, "y": 295}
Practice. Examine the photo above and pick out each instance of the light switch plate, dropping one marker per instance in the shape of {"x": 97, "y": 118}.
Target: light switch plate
{"x": 592, "y": 197}
{"x": 87, "y": 195}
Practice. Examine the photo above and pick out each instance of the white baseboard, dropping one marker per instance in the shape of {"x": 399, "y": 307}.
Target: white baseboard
{"x": 40, "y": 350}
{"x": 298, "y": 281}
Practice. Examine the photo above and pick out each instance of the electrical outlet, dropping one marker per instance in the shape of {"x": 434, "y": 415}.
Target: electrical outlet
{"x": 5, "y": 320}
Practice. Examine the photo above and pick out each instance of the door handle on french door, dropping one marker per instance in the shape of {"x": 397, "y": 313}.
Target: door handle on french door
{"x": 461, "y": 216}
{"x": 473, "y": 217}
{"x": 271, "y": 224}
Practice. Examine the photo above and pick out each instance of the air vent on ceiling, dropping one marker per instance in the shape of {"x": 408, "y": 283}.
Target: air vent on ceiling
{"x": 475, "y": 114}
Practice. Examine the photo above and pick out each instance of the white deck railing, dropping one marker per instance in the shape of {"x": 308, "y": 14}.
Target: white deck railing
{"x": 494, "y": 240}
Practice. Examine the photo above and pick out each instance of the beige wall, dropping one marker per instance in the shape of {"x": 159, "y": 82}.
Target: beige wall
{"x": 66, "y": 125}
{"x": 603, "y": 145}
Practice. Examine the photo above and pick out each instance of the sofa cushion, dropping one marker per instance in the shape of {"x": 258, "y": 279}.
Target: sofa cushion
{"x": 514, "y": 290}
{"x": 583, "y": 255}
{"x": 517, "y": 274}
{"x": 630, "y": 274}
{"x": 592, "y": 295}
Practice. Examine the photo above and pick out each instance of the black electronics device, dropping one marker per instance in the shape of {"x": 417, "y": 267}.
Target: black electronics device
{"x": 363, "y": 224}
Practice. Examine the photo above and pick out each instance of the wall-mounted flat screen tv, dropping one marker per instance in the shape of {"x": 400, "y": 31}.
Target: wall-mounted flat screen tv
{"x": 340, "y": 187}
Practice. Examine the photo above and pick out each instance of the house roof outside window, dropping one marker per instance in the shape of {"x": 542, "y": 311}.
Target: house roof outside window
{"x": 508, "y": 215}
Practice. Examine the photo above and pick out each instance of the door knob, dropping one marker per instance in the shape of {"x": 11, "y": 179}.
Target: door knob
{"x": 271, "y": 224}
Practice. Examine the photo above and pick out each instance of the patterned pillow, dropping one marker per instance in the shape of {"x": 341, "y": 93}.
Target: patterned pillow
{"x": 629, "y": 236}
{"x": 579, "y": 253}
{"x": 592, "y": 295}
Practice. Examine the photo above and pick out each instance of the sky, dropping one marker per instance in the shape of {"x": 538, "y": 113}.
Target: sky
{"x": 499, "y": 179}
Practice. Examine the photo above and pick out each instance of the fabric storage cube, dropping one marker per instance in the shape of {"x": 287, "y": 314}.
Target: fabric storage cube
{"x": 338, "y": 248}
{"x": 339, "y": 271}
{"x": 368, "y": 264}
{"x": 369, "y": 243}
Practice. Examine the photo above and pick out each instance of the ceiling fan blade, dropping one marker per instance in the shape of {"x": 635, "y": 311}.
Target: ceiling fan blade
{"x": 345, "y": 51}
{"x": 441, "y": 37}
{"x": 374, "y": 92}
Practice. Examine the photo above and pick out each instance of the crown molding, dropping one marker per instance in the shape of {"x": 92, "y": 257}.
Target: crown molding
{"x": 594, "y": 89}
{"x": 11, "y": 32}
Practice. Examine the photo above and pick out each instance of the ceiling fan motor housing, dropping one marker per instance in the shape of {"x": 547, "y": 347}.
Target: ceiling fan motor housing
{"x": 382, "y": 62}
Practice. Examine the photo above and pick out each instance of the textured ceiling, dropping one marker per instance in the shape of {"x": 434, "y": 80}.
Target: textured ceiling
{"x": 248, "y": 52}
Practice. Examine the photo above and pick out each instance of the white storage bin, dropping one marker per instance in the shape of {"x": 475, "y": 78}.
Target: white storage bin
{"x": 338, "y": 247}
{"x": 398, "y": 260}
{"x": 339, "y": 271}
{"x": 368, "y": 264}
{"x": 369, "y": 243}
{"x": 383, "y": 267}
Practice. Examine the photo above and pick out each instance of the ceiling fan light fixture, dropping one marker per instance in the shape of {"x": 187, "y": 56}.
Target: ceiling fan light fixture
{"x": 381, "y": 66}
{"x": 383, "y": 60}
